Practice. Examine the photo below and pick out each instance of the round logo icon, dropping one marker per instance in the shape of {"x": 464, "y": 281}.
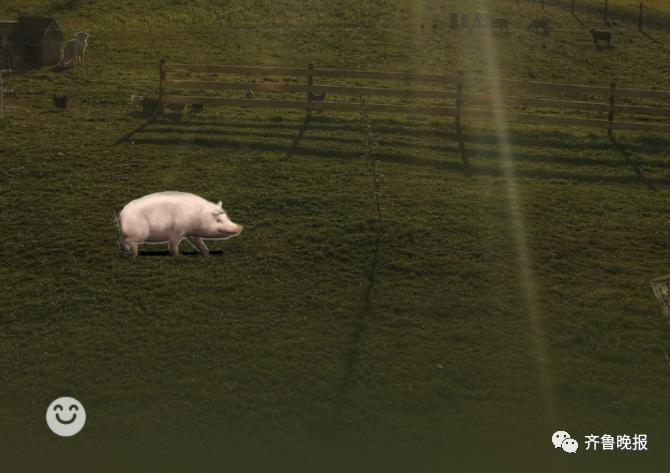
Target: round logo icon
{"x": 66, "y": 416}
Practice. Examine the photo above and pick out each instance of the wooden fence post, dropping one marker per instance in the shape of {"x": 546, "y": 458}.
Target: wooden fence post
{"x": 310, "y": 94}
{"x": 639, "y": 18}
{"x": 572, "y": 7}
{"x": 2, "y": 98}
{"x": 308, "y": 112}
{"x": 605, "y": 13}
{"x": 310, "y": 80}
{"x": 661, "y": 289}
{"x": 459, "y": 127}
{"x": 161, "y": 89}
{"x": 612, "y": 105}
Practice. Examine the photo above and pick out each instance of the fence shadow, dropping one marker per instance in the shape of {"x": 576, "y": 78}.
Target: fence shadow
{"x": 553, "y": 139}
{"x": 652, "y": 39}
{"x": 235, "y": 136}
{"x": 126, "y": 137}
{"x": 406, "y": 159}
{"x": 579, "y": 20}
{"x": 301, "y": 133}
{"x": 352, "y": 353}
{"x": 633, "y": 163}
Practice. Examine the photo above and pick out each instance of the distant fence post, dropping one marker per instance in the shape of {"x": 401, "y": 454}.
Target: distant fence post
{"x": 661, "y": 289}
{"x": 612, "y": 105}
{"x": 161, "y": 90}
{"x": 310, "y": 80}
{"x": 310, "y": 94}
{"x": 459, "y": 111}
{"x": 453, "y": 20}
{"x": 639, "y": 18}
{"x": 2, "y": 98}
{"x": 605, "y": 13}
{"x": 572, "y": 7}
{"x": 2, "y": 93}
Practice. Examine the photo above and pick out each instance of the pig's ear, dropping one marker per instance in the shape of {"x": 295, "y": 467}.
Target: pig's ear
{"x": 220, "y": 205}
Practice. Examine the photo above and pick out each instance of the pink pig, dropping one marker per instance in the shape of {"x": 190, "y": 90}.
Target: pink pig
{"x": 169, "y": 217}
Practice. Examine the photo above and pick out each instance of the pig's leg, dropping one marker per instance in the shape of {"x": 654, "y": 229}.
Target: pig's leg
{"x": 128, "y": 248}
{"x": 174, "y": 247}
{"x": 199, "y": 244}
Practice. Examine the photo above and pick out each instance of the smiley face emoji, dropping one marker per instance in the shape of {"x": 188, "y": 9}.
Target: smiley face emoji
{"x": 66, "y": 416}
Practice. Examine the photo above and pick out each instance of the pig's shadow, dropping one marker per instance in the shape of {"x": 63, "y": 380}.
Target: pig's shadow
{"x": 183, "y": 253}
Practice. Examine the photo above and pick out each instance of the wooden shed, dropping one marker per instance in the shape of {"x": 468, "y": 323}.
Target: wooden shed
{"x": 6, "y": 28}
{"x": 35, "y": 41}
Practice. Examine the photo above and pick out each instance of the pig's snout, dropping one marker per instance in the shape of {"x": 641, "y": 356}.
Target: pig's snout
{"x": 237, "y": 229}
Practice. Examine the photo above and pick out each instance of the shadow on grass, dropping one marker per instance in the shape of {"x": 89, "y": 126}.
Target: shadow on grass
{"x": 352, "y": 353}
{"x": 579, "y": 20}
{"x": 615, "y": 27}
{"x": 301, "y": 133}
{"x": 546, "y": 139}
{"x": 408, "y": 159}
{"x": 213, "y": 134}
{"x": 652, "y": 39}
{"x": 209, "y": 137}
{"x": 126, "y": 138}
{"x": 154, "y": 253}
{"x": 633, "y": 163}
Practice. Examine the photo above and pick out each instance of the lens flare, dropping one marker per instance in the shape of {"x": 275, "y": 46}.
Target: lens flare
{"x": 524, "y": 259}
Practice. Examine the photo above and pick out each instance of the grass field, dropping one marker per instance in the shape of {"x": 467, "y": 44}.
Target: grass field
{"x": 490, "y": 311}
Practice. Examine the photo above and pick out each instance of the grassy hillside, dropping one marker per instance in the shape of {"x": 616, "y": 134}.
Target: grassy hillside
{"x": 490, "y": 311}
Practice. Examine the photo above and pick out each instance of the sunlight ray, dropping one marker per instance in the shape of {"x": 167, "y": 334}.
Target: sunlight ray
{"x": 519, "y": 235}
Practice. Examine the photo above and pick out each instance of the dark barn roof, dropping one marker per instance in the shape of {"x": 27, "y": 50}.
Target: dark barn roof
{"x": 31, "y": 29}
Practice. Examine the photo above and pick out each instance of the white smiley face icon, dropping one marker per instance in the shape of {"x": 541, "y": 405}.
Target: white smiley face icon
{"x": 569, "y": 445}
{"x": 558, "y": 438}
{"x": 66, "y": 416}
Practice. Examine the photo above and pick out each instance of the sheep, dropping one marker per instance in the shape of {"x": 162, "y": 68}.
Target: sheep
{"x": 482, "y": 18}
{"x": 485, "y": 20}
{"x": 601, "y": 35}
{"x": 465, "y": 19}
{"x": 540, "y": 24}
{"x": 499, "y": 22}
{"x": 74, "y": 50}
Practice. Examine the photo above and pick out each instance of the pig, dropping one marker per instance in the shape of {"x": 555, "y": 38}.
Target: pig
{"x": 169, "y": 217}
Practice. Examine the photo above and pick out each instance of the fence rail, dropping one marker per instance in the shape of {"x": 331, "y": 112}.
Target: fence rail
{"x": 455, "y": 88}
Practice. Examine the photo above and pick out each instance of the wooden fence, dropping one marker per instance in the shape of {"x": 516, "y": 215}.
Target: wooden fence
{"x": 459, "y": 95}
{"x": 2, "y": 93}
